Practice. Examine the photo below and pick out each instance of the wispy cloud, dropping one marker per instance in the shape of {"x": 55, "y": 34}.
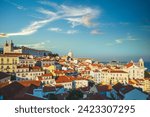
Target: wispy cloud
{"x": 72, "y": 31}
{"x": 119, "y": 41}
{"x": 40, "y": 45}
{"x": 16, "y": 5}
{"x": 96, "y": 32}
{"x": 78, "y": 15}
{"x": 47, "y": 12}
{"x": 32, "y": 28}
{"x": 122, "y": 40}
{"x": 55, "y": 29}
{"x": 75, "y": 15}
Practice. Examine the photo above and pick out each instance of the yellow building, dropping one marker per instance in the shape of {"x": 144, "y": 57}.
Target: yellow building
{"x": 147, "y": 85}
{"x": 50, "y": 68}
{"x": 8, "y": 63}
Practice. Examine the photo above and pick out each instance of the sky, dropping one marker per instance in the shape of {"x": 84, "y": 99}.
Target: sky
{"x": 102, "y": 29}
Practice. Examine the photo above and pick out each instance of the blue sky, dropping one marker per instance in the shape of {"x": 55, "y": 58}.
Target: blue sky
{"x": 102, "y": 29}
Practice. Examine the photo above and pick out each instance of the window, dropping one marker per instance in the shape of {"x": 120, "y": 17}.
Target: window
{"x": 2, "y": 59}
{"x": 133, "y": 71}
{"x": 7, "y": 60}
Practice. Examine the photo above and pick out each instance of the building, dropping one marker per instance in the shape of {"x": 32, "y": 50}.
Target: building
{"x": 26, "y": 61}
{"x": 8, "y": 63}
{"x": 26, "y": 73}
{"x": 96, "y": 74}
{"x": 127, "y": 92}
{"x": 70, "y": 82}
{"x": 70, "y": 54}
{"x": 135, "y": 70}
{"x": 10, "y": 48}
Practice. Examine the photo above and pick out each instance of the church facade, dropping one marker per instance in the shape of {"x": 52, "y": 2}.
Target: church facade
{"x": 10, "y": 48}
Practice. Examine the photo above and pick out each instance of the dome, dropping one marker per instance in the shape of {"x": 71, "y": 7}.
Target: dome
{"x": 141, "y": 60}
{"x": 70, "y": 54}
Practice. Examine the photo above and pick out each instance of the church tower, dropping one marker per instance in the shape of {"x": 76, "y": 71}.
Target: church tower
{"x": 141, "y": 63}
{"x": 8, "y": 47}
{"x": 70, "y": 54}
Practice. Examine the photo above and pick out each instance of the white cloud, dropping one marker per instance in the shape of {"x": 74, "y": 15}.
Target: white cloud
{"x": 81, "y": 15}
{"x": 46, "y": 12}
{"x": 48, "y": 3}
{"x": 16, "y": 5}
{"x": 40, "y": 45}
{"x": 55, "y": 29}
{"x": 130, "y": 37}
{"x": 96, "y": 32}
{"x": 71, "y": 31}
{"x": 35, "y": 45}
{"x": 32, "y": 28}
{"x": 75, "y": 15}
{"x": 123, "y": 40}
{"x": 119, "y": 41}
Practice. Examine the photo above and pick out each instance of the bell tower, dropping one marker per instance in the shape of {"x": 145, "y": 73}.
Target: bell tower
{"x": 141, "y": 62}
{"x": 8, "y": 47}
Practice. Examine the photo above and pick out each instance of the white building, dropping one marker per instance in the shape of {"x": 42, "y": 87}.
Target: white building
{"x": 70, "y": 82}
{"x": 96, "y": 74}
{"x": 26, "y": 61}
{"x": 70, "y": 54}
{"x": 24, "y": 73}
{"x": 135, "y": 70}
{"x": 10, "y": 48}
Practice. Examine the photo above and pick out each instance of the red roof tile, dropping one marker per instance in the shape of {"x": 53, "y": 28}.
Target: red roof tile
{"x": 103, "y": 88}
{"x": 49, "y": 74}
{"x": 29, "y": 82}
{"x": 129, "y": 65}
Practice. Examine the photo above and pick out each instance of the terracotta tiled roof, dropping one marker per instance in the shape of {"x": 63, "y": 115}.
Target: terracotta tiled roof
{"x": 25, "y": 90}
{"x": 59, "y": 86}
{"x": 46, "y": 66}
{"x": 104, "y": 88}
{"x": 24, "y": 66}
{"x": 82, "y": 89}
{"x": 123, "y": 88}
{"x": 9, "y": 91}
{"x": 87, "y": 68}
{"x": 129, "y": 64}
{"x": 35, "y": 67}
{"x": 62, "y": 79}
{"x": 117, "y": 71}
{"x": 49, "y": 74}
{"x": 3, "y": 84}
{"x": 29, "y": 82}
